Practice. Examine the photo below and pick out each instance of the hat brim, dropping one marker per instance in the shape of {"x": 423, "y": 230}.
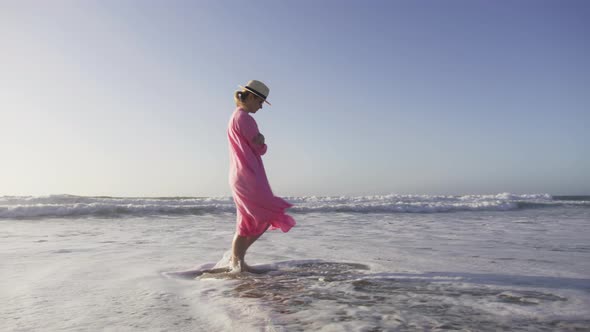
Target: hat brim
{"x": 255, "y": 93}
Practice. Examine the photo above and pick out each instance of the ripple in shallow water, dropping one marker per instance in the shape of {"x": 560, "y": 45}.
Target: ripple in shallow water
{"x": 301, "y": 295}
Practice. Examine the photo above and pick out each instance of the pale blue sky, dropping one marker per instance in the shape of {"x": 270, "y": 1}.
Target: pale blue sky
{"x": 132, "y": 98}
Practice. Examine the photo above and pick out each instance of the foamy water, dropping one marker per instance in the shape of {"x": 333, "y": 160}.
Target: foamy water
{"x": 480, "y": 263}
{"x": 27, "y": 207}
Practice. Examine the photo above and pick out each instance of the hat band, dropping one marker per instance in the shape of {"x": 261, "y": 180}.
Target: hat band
{"x": 255, "y": 92}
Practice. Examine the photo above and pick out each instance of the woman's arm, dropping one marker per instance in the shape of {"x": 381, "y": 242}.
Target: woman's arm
{"x": 248, "y": 129}
{"x": 258, "y": 144}
{"x": 259, "y": 139}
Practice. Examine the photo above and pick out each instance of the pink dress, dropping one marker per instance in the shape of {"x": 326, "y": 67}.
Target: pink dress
{"x": 256, "y": 205}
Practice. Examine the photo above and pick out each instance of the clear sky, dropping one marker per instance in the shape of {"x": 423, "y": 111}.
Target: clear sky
{"x": 132, "y": 98}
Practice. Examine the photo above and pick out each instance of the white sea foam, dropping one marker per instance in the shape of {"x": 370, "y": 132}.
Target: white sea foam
{"x": 522, "y": 269}
{"x": 28, "y": 207}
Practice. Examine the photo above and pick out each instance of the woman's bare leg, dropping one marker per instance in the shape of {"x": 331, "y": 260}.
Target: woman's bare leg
{"x": 252, "y": 239}
{"x": 239, "y": 246}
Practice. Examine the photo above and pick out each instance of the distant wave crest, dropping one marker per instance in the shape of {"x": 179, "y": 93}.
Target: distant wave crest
{"x": 56, "y": 206}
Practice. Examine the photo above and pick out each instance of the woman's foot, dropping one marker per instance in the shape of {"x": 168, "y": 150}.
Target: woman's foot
{"x": 238, "y": 265}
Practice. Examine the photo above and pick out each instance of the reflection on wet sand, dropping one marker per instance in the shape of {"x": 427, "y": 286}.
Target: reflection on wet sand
{"x": 398, "y": 302}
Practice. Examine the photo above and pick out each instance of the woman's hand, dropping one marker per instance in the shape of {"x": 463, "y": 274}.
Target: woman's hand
{"x": 259, "y": 139}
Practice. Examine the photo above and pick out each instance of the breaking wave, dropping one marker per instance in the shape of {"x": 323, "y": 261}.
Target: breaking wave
{"x": 55, "y": 206}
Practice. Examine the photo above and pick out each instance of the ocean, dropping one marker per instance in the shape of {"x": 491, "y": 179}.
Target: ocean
{"x": 501, "y": 262}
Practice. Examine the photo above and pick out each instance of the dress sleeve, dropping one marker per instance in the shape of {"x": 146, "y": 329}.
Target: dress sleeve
{"x": 249, "y": 130}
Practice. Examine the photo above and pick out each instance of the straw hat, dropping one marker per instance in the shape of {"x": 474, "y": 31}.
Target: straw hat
{"x": 258, "y": 88}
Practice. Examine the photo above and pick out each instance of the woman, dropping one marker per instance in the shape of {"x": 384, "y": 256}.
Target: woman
{"x": 257, "y": 207}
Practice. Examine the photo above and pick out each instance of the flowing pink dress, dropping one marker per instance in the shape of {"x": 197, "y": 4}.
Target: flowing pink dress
{"x": 256, "y": 205}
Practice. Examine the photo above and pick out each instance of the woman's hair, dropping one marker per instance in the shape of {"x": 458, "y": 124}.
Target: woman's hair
{"x": 240, "y": 96}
